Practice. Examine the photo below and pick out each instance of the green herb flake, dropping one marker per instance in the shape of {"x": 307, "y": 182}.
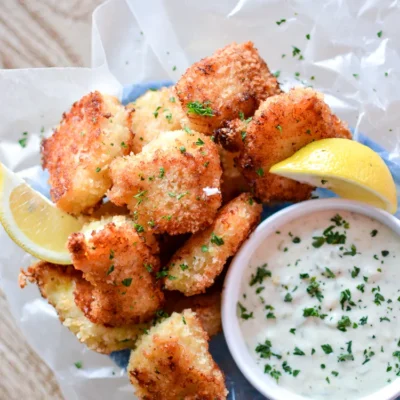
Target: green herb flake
{"x": 111, "y": 269}
{"x": 195, "y": 107}
{"x": 293, "y": 331}
{"x": 127, "y": 282}
{"x": 155, "y": 113}
{"x": 243, "y": 312}
{"x": 308, "y": 36}
{"x": 78, "y": 364}
{"x": 379, "y": 34}
{"x": 355, "y": 272}
{"x": 327, "y": 348}
{"x": 204, "y": 248}
{"x": 260, "y": 172}
{"x": 281, "y": 21}
{"x": 279, "y": 128}
{"x": 199, "y": 142}
{"x": 298, "y": 352}
{"x": 374, "y": 233}
{"x": 216, "y": 239}
{"x": 261, "y": 273}
{"x": 288, "y": 298}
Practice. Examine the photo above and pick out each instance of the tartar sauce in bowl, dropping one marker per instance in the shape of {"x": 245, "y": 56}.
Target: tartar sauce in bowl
{"x": 319, "y": 305}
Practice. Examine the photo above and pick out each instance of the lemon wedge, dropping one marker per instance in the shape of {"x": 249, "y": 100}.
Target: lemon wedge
{"x": 348, "y": 168}
{"x": 32, "y": 221}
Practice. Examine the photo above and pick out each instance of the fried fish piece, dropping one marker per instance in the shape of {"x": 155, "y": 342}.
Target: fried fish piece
{"x": 121, "y": 268}
{"x": 230, "y": 83}
{"x": 78, "y": 154}
{"x": 194, "y": 267}
{"x": 57, "y": 284}
{"x": 154, "y": 112}
{"x": 173, "y": 184}
{"x": 173, "y": 362}
{"x": 207, "y": 307}
{"x": 281, "y": 126}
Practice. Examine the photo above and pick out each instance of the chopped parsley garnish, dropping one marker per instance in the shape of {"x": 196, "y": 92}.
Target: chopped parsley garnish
{"x": 182, "y": 149}
{"x": 345, "y": 357}
{"x": 279, "y": 128}
{"x": 162, "y": 172}
{"x": 327, "y": 348}
{"x": 304, "y": 276}
{"x": 260, "y": 172}
{"x": 261, "y": 274}
{"x": 111, "y": 269}
{"x": 127, "y": 282}
{"x": 199, "y": 142}
{"x": 379, "y": 34}
{"x": 288, "y": 298}
{"x": 296, "y": 51}
{"x": 204, "y": 248}
{"x": 314, "y": 290}
{"x": 344, "y": 323}
{"x": 172, "y": 99}
{"x": 293, "y": 331}
{"x": 361, "y": 287}
{"x": 98, "y": 169}
{"x": 183, "y": 319}
{"x": 351, "y": 252}
{"x": 276, "y": 74}
{"x": 296, "y": 240}
{"x": 345, "y": 295}
{"x": 195, "y": 107}
{"x": 313, "y": 312}
{"x": 355, "y": 272}
{"x": 296, "y": 372}
{"x": 363, "y": 320}
{"x": 149, "y": 267}
{"x": 138, "y": 228}
{"x": 374, "y": 233}
{"x": 318, "y": 241}
{"x": 78, "y": 364}
{"x": 112, "y": 254}
{"x": 140, "y": 196}
{"x": 273, "y": 372}
{"x": 184, "y": 267}
{"x": 216, "y": 239}
{"x": 381, "y": 319}
{"x": 155, "y": 113}
{"x": 329, "y": 273}
{"x": 298, "y": 352}
{"x": 335, "y": 373}
{"x": 243, "y": 312}
{"x": 281, "y": 21}
{"x": 378, "y": 299}
{"x": 308, "y": 36}
{"x": 384, "y": 253}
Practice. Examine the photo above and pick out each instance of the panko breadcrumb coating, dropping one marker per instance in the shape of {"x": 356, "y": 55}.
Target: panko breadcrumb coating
{"x": 172, "y": 362}
{"x": 173, "y": 184}
{"x": 120, "y": 267}
{"x": 57, "y": 284}
{"x": 230, "y": 83}
{"x": 155, "y": 112}
{"x": 77, "y": 155}
{"x": 232, "y": 134}
{"x": 194, "y": 267}
{"x": 207, "y": 307}
{"x": 282, "y": 125}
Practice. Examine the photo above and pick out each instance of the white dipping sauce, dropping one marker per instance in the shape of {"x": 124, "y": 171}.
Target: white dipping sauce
{"x": 323, "y": 319}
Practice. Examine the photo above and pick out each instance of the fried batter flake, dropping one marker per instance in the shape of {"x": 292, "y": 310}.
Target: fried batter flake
{"x": 173, "y": 184}
{"x": 282, "y": 125}
{"x": 194, "y": 267}
{"x": 230, "y": 83}
{"x": 78, "y": 154}
{"x": 173, "y": 362}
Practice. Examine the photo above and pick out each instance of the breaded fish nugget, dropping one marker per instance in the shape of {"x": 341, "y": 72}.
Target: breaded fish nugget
{"x": 282, "y": 125}
{"x": 57, "y": 284}
{"x": 174, "y": 183}
{"x": 173, "y": 362}
{"x": 77, "y": 155}
{"x": 207, "y": 307}
{"x": 230, "y": 83}
{"x": 154, "y": 112}
{"x": 121, "y": 267}
{"x": 195, "y": 266}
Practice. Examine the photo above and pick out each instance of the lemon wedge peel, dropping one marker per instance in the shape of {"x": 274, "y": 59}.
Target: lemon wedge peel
{"x": 346, "y": 167}
{"x": 32, "y": 221}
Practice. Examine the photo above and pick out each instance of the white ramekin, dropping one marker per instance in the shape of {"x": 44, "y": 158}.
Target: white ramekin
{"x": 230, "y": 296}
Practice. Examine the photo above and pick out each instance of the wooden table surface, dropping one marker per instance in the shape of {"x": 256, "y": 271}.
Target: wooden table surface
{"x": 37, "y": 33}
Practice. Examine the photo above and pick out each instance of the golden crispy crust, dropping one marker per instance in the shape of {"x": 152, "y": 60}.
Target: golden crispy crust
{"x": 173, "y": 184}
{"x": 77, "y": 155}
{"x": 154, "y": 112}
{"x": 58, "y": 284}
{"x": 282, "y": 125}
{"x": 195, "y": 266}
{"x": 121, "y": 269}
{"x": 207, "y": 307}
{"x": 173, "y": 362}
{"x": 234, "y": 80}
{"x": 232, "y": 134}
